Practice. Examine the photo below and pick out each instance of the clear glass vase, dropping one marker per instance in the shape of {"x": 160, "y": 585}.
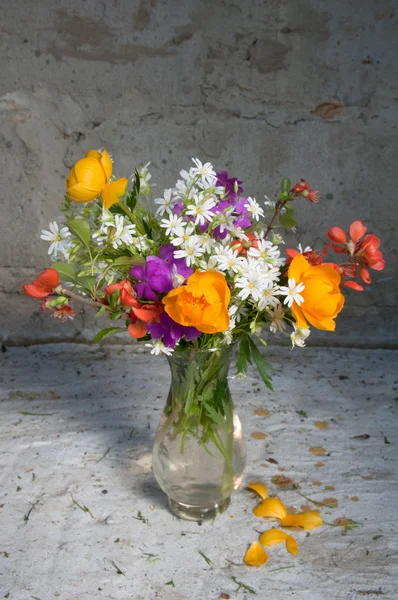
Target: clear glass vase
{"x": 199, "y": 452}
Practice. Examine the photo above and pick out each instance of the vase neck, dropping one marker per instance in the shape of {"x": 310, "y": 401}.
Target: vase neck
{"x": 200, "y": 375}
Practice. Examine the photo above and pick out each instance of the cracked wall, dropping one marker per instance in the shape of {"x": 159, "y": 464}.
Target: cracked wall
{"x": 265, "y": 89}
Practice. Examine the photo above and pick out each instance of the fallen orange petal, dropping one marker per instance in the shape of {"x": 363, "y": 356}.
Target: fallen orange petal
{"x": 259, "y": 488}
{"x": 291, "y": 545}
{"x": 272, "y": 508}
{"x": 256, "y": 555}
{"x": 307, "y": 520}
{"x": 273, "y": 537}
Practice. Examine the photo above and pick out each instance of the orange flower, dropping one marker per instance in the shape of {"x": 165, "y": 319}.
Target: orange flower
{"x": 201, "y": 303}
{"x": 322, "y": 299}
{"x": 90, "y": 177}
{"x": 256, "y": 555}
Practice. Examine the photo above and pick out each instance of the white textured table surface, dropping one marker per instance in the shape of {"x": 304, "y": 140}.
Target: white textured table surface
{"x": 97, "y": 410}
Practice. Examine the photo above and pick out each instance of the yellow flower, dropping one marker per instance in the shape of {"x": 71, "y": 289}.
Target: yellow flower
{"x": 256, "y": 555}
{"x": 112, "y": 192}
{"x": 259, "y": 488}
{"x": 201, "y": 303}
{"x": 307, "y": 520}
{"x": 89, "y": 176}
{"x": 272, "y": 537}
{"x": 322, "y": 299}
{"x": 272, "y": 508}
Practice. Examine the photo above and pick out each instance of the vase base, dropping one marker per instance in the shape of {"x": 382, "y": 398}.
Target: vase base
{"x": 198, "y": 513}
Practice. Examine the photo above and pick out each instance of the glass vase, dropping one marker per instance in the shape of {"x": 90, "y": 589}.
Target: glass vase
{"x": 199, "y": 452}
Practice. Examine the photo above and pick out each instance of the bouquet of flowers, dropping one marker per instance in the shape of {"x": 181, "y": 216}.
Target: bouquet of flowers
{"x": 200, "y": 273}
{"x": 204, "y": 270}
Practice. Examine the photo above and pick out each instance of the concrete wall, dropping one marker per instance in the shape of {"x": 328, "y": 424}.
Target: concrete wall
{"x": 240, "y": 83}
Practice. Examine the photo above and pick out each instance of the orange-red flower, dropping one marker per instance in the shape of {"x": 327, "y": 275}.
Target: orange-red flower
{"x": 304, "y": 189}
{"x": 322, "y": 299}
{"x": 363, "y": 252}
{"x": 63, "y": 312}
{"x": 201, "y": 303}
{"x": 44, "y": 285}
{"x": 140, "y": 312}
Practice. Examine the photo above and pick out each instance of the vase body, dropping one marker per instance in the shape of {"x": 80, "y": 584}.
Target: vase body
{"x": 199, "y": 452}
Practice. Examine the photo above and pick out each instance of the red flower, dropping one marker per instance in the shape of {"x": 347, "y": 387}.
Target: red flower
{"x": 304, "y": 189}
{"x": 140, "y": 314}
{"x": 44, "y": 285}
{"x": 363, "y": 252}
{"x": 242, "y": 246}
{"x": 313, "y": 256}
{"x": 64, "y": 312}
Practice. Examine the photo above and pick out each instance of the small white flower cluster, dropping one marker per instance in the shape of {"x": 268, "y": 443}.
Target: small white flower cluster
{"x": 114, "y": 230}
{"x": 204, "y": 225}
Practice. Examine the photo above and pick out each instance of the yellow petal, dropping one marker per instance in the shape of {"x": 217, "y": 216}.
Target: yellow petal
{"x": 307, "y": 520}
{"x": 291, "y": 545}
{"x": 90, "y": 174}
{"x": 77, "y": 193}
{"x": 112, "y": 192}
{"x": 94, "y": 154}
{"x": 273, "y": 537}
{"x": 272, "y": 508}
{"x": 256, "y": 555}
{"x": 107, "y": 164}
{"x": 259, "y": 488}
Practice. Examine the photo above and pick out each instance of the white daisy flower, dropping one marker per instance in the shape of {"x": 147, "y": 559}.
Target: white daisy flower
{"x": 203, "y": 170}
{"x": 190, "y": 251}
{"x": 277, "y": 316}
{"x": 145, "y": 176}
{"x": 185, "y": 235}
{"x": 201, "y": 210}
{"x": 174, "y": 225}
{"x": 177, "y": 279}
{"x": 292, "y": 292}
{"x": 228, "y": 260}
{"x": 250, "y": 285}
{"x": 306, "y": 249}
{"x": 270, "y": 203}
{"x": 299, "y": 336}
{"x": 58, "y": 238}
{"x": 266, "y": 252}
{"x": 115, "y": 230}
{"x": 206, "y": 242}
{"x": 166, "y": 203}
{"x": 208, "y": 265}
{"x": 158, "y": 347}
{"x": 254, "y": 208}
{"x": 269, "y": 297}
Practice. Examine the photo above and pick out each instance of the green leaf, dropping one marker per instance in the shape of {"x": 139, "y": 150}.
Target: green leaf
{"x": 100, "y": 311}
{"x": 215, "y": 416}
{"x": 243, "y": 356}
{"x": 66, "y": 272}
{"x": 287, "y": 219}
{"x": 128, "y": 261}
{"x": 148, "y": 229}
{"x": 108, "y": 331}
{"x": 261, "y": 363}
{"x": 81, "y": 230}
{"x": 87, "y": 282}
{"x": 285, "y": 185}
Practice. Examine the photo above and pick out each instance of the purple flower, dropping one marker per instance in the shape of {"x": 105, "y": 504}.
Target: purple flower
{"x": 229, "y": 184}
{"x": 166, "y": 253}
{"x": 154, "y": 277}
{"x": 171, "y": 331}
